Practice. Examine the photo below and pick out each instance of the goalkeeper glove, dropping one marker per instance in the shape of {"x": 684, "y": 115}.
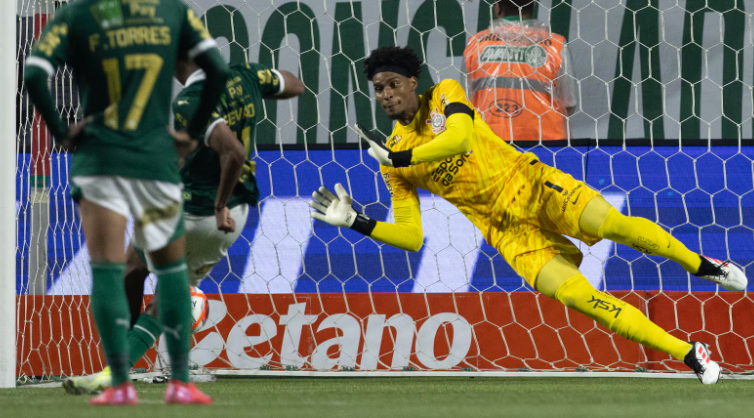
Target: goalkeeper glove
{"x": 381, "y": 153}
{"x": 337, "y": 210}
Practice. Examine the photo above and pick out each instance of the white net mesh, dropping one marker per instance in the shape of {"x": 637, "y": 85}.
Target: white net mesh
{"x": 300, "y": 295}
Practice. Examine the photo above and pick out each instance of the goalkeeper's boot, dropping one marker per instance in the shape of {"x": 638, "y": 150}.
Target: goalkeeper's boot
{"x": 123, "y": 394}
{"x": 727, "y": 275}
{"x": 698, "y": 358}
{"x": 89, "y": 385}
{"x": 185, "y": 394}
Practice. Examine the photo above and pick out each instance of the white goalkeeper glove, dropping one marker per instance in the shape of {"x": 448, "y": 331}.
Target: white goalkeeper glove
{"x": 381, "y": 153}
{"x": 337, "y": 210}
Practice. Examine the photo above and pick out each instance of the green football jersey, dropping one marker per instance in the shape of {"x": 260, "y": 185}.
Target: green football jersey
{"x": 241, "y": 108}
{"x": 123, "y": 54}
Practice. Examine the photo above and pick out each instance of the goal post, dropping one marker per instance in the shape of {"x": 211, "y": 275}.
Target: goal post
{"x": 8, "y": 71}
{"x": 663, "y": 129}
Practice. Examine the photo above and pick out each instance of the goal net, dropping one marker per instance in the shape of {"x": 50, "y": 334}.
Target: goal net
{"x": 663, "y": 129}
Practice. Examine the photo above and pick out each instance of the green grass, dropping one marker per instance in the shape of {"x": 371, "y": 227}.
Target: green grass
{"x": 414, "y": 397}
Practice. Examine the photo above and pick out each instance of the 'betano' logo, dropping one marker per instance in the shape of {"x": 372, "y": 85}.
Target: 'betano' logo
{"x": 350, "y": 336}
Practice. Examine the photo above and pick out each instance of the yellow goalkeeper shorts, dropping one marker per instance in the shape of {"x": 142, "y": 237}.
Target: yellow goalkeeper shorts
{"x": 545, "y": 209}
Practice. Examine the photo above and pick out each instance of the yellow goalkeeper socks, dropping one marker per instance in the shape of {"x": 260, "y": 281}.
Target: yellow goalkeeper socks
{"x": 618, "y": 316}
{"x": 648, "y": 237}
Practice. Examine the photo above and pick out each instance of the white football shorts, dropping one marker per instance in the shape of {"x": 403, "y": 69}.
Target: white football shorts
{"x": 205, "y": 245}
{"x": 156, "y": 206}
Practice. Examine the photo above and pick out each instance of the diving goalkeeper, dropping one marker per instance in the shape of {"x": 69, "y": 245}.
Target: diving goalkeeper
{"x": 522, "y": 206}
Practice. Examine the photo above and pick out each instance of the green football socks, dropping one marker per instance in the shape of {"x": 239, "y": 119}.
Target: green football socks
{"x": 110, "y": 309}
{"x": 175, "y": 314}
{"x": 144, "y": 333}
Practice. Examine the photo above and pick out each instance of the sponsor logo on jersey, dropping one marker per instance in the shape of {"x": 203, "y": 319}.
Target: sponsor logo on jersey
{"x": 436, "y": 121}
{"x": 108, "y": 14}
{"x": 568, "y": 197}
{"x": 534, "y": 55}
{"x": 444, "y": 100}
{"x": 393, "y": 141}
{"x": 447, "y": 170}
{"x": 386, "y": 176}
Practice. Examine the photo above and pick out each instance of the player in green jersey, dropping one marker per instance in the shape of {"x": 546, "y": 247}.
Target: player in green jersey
{"x": 123, "y": 53}
{"x": 219, "y": 187}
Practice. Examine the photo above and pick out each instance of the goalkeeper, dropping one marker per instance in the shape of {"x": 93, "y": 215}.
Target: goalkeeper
{"x": 219, "y": 187}
{"x": 522, "y": 206}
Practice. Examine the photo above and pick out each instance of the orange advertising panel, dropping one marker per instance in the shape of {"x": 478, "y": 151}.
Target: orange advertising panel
{"x": 381, "y": 331}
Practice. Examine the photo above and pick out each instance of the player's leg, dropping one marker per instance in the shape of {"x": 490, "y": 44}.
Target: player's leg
{"x": 136, "y": 274}
{"x": 159, "y": 231}
{"x": 560, "y": 279}
{"x": 600, "y": 219}
{"x": 144, "y": 328}
{"x": 561, "y": 204}
{"x": 205, "y": 247}
{"x": 175, "y": 315}
{"x": 104, "y": 230}
{"x": 174, "y": 300}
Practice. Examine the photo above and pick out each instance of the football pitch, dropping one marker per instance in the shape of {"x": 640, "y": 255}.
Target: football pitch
{"x": 414, "y": 397}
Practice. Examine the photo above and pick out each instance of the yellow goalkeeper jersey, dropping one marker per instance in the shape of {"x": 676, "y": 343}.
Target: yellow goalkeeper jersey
{"x": 480, "y": 183}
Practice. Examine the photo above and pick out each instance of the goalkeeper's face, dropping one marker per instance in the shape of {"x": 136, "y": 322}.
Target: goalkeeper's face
{"x": 395, "y": 93}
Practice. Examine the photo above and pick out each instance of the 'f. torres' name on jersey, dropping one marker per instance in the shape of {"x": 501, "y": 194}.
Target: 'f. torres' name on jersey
{"x": 126, "y": 37}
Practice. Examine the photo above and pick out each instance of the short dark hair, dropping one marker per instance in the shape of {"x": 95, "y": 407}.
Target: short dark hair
{"x": 512, "y": 7}
{"x": 395, "y": 56}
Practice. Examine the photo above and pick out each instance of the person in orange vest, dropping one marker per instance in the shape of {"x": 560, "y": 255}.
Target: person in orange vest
{"x": 518, "y": 75}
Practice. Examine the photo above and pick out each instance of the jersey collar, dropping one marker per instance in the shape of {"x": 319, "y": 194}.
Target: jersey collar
{"x": 197, "y": 75}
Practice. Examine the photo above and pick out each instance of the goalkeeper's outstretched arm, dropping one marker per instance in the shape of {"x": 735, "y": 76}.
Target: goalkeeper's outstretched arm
{"x": 456, "y": 139}
{"x": 336, "y": 210}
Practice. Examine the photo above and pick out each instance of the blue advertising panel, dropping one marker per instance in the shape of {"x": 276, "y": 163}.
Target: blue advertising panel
{"x": 704, "y": 195}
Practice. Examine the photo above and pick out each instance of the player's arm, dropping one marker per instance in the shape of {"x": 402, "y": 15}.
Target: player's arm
{"x": 49, "y": 53}
{"x": 275, "y": 84}
{"x": 231, "y": 153}
{"x": 232, "y": 157}
{"x": 456, "y": 139}
{"x": 290, "y": 86}
{"x": 405, "y": 234}
{"x": 202, "y": 49}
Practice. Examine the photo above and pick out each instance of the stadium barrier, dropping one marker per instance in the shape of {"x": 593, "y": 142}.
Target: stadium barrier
{"x": 465, "y": 331}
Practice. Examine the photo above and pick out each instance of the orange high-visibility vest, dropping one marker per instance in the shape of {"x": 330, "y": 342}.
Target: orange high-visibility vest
{"x": 513, "y": 71}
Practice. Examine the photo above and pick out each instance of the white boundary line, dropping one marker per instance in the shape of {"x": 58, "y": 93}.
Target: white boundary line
{"x": 299, "y": 373}
{"x": 397, "y": 373}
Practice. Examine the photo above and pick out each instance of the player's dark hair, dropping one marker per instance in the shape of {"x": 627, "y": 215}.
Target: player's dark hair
{"x": 516, "y": 7}
{"x": 393, "y": 56}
